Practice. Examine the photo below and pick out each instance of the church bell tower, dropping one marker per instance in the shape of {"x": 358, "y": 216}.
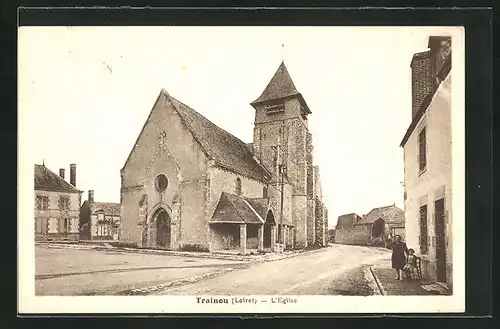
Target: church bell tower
{"x": 281, "y": 140}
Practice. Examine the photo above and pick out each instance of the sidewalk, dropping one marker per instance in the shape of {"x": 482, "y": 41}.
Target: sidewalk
{"x": 214, "y": 255}
{"x": 384, "y": 276}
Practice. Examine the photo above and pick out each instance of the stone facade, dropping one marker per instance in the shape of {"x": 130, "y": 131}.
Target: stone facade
{"x": 178, "y": 143}
{"x": 428, "y": 189}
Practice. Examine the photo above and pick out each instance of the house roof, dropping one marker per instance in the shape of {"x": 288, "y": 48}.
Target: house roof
{"x": 280, "y": 86}
{"x": 390, "y": 214}
{"x": 109, "y": 208}
{"x": 225, "y": 149}
{"x": 235, "y": 209}
{"x": 47, "y": 180}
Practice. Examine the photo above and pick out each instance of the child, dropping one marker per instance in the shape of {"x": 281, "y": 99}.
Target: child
{"x": 411, "y": 262}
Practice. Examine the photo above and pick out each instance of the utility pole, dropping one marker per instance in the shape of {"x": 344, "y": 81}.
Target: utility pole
{"x": 281, "y": 168}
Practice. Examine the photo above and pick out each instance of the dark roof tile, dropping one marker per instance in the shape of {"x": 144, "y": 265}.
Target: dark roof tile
{"x": 225, "y": 149}
{"x": 233, "y": 209}
{"x": 109, "y": 208}
{"x": 47, "y": 180}
{"x": 280, "y": 86}
{"x": 390, "y": 214}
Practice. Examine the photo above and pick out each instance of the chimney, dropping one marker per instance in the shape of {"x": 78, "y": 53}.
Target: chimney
{"x": 72, "y": 174}
{"x": 61, "y": 173}
{"x": 421, "y": 79}
{"x": 440, "y": 48}
{"x": 91, "y": 196}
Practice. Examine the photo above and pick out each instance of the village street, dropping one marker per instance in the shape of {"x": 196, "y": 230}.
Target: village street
{"x": 336, "y": 270}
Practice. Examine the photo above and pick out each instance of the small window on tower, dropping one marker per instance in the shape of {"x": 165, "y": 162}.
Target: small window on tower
{"x": 264, "y": 192}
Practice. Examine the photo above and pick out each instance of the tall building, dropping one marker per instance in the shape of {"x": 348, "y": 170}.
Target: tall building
{"x": 188, "y": 184}
{"x": 427, "y": 161}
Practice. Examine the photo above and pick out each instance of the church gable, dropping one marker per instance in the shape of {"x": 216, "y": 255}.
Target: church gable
{"x": 164, "y": 137}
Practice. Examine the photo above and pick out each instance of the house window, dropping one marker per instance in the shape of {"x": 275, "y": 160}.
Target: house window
{"x": 423, "y": 230}
{"x": 422, "y": 155}
{"x": 64, "y": 203}
{"x": 100, "y": 224}
{"x": 64, "y": 225}
{"x": 238, "y": 186}
{"x": 42, "y": 202}
{"x": 264, "y": 192}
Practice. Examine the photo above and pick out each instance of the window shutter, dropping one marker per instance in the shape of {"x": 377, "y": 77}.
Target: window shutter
{"x": 74, "y": 225}
{"x": 52, "y": 225}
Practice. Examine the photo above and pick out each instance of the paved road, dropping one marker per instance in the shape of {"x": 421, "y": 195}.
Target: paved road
{"x": 92, "y": 272}
{"x": 337, "y": 270}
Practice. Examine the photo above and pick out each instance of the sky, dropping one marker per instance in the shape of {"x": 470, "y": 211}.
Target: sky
{"x": 85, "y": 93}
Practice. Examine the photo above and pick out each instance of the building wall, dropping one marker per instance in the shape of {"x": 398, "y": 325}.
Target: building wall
{"x": 299, "y": 213}
{"x": 46, "y": 223}
{"x": 103, "y": 231}
{"x": 225, "y": 181}
{"x": 435, "y": 181}
{"x": 184, "y": 164}
{"x": 355, "y": 235}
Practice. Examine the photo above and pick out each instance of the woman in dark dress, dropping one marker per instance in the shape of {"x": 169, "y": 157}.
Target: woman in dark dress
{"x": 399, "y": 253}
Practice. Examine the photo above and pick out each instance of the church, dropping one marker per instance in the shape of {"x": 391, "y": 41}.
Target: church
{"x": 188, "y": 184}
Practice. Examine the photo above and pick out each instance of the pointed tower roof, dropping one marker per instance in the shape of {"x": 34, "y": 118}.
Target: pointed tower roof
{"x": 280, "y": 86}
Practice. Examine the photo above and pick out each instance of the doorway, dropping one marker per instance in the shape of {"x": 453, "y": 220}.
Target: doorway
{"x": 267, "y": 229}
{"x": 163, "y": 229}
{"x": 440, "y": 226}
{"x": 378, "y": 228}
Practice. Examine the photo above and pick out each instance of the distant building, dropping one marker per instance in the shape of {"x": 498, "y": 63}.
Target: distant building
{"x": 189, "y": 184}
{"x": 345, "y": 231}
{"x": 99, "y": 220}
{"x": 427, "y": 161}
{"x": 375, "y": 228}
{"x": 57, "y": 205}
{"x": 380, "y": 224}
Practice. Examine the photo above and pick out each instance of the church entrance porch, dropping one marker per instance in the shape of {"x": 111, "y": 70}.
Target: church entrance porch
{"x": 237, "y": 237}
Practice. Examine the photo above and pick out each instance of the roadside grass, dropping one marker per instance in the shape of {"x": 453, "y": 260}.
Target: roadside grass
{"x": 351, "y": 283}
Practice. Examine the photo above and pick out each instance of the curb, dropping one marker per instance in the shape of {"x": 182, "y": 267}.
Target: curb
{"x": 377, "y": 281}
{"x": 368, "y": 274}
{"x": 170, "y": 284}
{"x": 177, "y": 253}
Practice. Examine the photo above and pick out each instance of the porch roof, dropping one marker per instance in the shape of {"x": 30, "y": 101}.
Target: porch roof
{"x": 234, "y": 209}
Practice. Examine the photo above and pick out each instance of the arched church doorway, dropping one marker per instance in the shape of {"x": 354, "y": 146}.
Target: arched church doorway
{"x": 163, "y": 232}
{"x": 267, "y": 229}
{"x": 378, "y": 228}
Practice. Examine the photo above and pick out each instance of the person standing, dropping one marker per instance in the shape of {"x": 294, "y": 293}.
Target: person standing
{"x": 399, "y": 253}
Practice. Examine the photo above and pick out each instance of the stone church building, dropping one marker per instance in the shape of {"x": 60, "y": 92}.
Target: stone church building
{"x": 190, "y": 185}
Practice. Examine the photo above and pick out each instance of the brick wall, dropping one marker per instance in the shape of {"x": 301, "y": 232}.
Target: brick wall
{"x": 421, "y": 79}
